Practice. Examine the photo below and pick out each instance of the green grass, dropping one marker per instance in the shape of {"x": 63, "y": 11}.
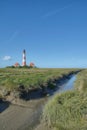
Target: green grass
{"x": 30, "y": 78}
{"x": 12, "y": 78}
{"x": 68, "y": 110}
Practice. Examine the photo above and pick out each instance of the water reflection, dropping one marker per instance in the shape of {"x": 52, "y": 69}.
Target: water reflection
{"x": 69, "y": 85}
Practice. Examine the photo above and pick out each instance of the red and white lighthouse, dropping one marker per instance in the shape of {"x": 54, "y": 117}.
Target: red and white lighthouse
{"x": 24, "y": 58}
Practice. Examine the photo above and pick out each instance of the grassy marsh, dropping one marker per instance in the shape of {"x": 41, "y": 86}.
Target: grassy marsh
{"x": 68, "y": 110}
{"x": 12, "y": 78}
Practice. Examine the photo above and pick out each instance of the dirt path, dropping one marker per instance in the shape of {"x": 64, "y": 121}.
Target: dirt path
{"x": 21, "y": 117}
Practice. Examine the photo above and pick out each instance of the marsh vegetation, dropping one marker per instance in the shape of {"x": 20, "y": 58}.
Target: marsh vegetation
{"x": 20, "y": 81}
{"x": 68, "y": 110}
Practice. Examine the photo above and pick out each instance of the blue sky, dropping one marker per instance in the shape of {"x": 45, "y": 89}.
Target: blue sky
{"x": 53, "y": 32}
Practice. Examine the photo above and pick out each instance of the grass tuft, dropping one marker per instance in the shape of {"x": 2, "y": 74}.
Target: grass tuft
{"x": 68, "y": 110}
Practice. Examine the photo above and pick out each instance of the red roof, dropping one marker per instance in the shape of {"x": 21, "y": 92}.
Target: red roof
{"x": 16, "y": 64}
{"x": 32, "y": 64}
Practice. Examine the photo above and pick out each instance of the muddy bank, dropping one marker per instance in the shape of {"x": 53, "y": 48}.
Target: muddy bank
{"x": 36, "y": 93}
{"x": 22, "y": 116}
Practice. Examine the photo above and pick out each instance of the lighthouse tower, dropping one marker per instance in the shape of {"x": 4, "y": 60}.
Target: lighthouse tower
{"x": 24, "y": 58}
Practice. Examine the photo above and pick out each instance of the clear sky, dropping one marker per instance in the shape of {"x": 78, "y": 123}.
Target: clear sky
{"x": 53, "y": 32}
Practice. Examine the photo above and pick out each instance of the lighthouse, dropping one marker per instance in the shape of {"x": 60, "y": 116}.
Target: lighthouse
{"x": 24, "y": 58}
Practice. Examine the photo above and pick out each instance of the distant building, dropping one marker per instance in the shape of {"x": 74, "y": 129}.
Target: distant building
{"x": 16, "y": 64}
{"x": 32, "y": 64}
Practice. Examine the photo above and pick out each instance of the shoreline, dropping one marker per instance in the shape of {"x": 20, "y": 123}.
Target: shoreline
{"x": 24, "y": 113}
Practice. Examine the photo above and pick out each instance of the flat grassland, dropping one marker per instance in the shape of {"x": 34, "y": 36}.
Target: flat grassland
{"x": 12, "y": 78}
